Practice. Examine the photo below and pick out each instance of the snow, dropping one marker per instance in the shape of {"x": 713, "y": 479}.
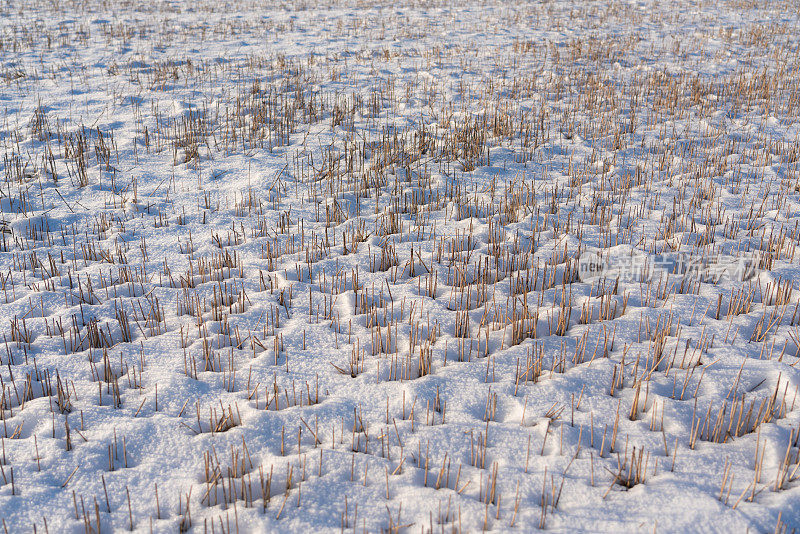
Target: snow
{"x": 301, "y": 285}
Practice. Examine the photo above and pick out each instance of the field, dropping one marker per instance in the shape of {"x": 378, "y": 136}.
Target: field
{"x": 439, "y": 267}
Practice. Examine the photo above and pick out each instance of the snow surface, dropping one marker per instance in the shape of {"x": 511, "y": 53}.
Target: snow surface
{"x": 308, "y": 161}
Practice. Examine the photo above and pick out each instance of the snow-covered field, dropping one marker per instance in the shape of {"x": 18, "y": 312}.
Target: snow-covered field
{"x": 332, "y": 266}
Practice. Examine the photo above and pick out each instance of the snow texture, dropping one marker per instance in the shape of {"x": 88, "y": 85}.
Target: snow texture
{"x": 325, "y": 266}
